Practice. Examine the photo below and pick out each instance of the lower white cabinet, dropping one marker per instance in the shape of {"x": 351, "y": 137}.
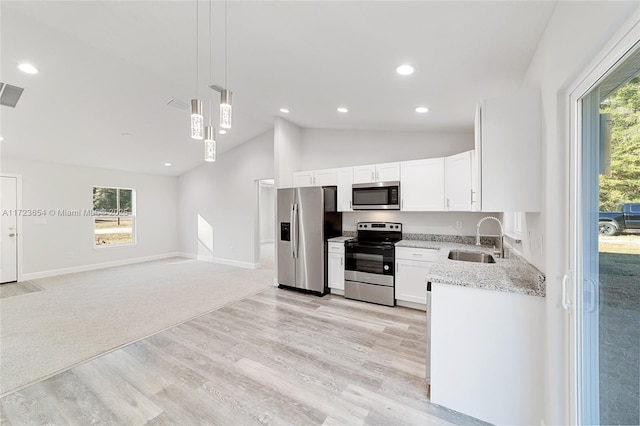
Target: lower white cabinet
{"x": 488, "y": 354}
{"x": 412, "y": 267}
{"x": 335, "y": 267}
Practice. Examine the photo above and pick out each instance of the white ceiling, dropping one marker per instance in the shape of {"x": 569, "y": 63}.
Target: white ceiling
{"x": 107, "y": 70}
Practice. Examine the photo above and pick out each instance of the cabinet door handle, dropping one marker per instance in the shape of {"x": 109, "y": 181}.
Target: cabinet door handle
{"x": 566, "y": 300}
{"x": 341, "y": 261}
{"x": 448, "y": 203}
{"x": 472, "y": 200}
{"x": 397, "y": 267}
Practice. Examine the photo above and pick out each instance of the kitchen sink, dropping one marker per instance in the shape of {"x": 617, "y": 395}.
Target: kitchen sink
{"x": 469, "y": 256}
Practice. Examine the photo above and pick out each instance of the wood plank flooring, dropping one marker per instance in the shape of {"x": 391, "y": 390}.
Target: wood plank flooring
{"x": 276, "y": 358}
{"x": 18, "y": 288}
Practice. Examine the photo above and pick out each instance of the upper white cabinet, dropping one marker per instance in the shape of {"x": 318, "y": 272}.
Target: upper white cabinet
{"x": 302, "y": 179}
{"x": 384, "y": 172}
{"x": 422, "y": 185}
{"x": 345, "y": 181}
{"x": 508, "y": 152}
{"x": 326, "y": 177}
{"x": 458, "y": 182}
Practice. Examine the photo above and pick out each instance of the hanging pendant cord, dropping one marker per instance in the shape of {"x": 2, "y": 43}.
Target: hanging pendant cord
{"x": 225, "y": 44}
{"x": 197, "y": 48}
{"x": 210, "y": 60}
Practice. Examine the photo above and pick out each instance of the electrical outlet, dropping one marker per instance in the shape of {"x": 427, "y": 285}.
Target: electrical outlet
{"x": 458, "y": 224}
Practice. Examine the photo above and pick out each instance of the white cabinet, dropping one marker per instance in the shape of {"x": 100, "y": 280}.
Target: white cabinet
{"x": 344, "y": 177}
{"x": 508, "y": 152}
{"x": 458, "y": 182}
{"x": 384, "y": 172}
{"x": 412, "y": 268}
{"x": 326, "y": 177}
{"x": 422, "y": 185}
{"x": 301, "y": 179}
{"x": 335, "y": 267}
{"x": 488, "y": 353}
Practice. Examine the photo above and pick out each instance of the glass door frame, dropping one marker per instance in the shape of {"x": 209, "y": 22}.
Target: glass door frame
{"x": 582, "y": 392}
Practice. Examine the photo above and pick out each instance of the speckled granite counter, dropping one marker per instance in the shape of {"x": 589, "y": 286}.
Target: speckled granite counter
{"x": 341, "y": 239}
{"x": 512, "y": 274}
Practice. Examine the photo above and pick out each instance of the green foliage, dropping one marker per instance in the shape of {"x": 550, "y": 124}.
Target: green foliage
{"x": 113, "y": 200}
{"x": 622, "y": 184}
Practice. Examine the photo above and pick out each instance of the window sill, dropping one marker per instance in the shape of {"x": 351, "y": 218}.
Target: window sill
{"x": 110, "y": 246}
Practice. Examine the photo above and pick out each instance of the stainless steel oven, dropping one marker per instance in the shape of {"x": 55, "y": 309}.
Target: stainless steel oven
{"x": 369, "y": 263}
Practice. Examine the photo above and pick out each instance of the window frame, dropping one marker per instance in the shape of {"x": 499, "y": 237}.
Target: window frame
{"x": 131, "y": 216}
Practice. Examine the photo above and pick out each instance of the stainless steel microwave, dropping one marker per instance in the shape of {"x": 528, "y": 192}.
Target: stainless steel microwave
{"x": 376, "y": 196}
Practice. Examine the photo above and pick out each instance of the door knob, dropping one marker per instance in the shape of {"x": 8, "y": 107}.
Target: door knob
{"x": 12, "y": 234}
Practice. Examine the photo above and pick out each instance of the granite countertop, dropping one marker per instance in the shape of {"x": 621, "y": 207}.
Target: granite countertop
{"x": 340, "y": 239}
{"x": 511, "y": 275}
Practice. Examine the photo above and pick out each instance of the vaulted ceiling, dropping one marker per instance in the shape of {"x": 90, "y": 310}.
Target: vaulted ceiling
{"x": 107, "y": 70}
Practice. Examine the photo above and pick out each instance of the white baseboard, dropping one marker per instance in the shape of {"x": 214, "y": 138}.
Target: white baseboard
{"x": 96, "y": 266}
{"x": 337, "y": 291}
{"x": 239, "y": 264}
{"x": 411, "y": 305}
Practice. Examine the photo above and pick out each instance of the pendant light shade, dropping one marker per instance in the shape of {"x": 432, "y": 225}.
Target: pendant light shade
{"x": 225, "y": 109}
{"x": 209, "y": 144}
{"x": 197, "y": 121}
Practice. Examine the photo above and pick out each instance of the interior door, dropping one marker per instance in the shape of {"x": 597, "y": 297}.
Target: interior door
{"x": 9, "y": 226}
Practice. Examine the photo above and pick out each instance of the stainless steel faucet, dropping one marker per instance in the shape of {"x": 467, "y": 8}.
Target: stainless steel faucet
{"x": 501, "y": 252}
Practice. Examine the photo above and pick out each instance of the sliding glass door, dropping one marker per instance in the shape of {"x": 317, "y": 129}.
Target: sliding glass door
{"x": 608, "y": 248}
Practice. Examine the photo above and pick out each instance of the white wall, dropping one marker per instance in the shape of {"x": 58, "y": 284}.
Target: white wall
{"x": 324, "y": 148}
{"x": 287, "y": 140}
{"x": 575, "y": 34}
{"x": 217, "y": 203}
{"x": 267, "y": 213}
{"x": 55, "y": 244}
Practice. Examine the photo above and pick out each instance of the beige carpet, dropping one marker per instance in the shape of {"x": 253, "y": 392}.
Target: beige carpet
{"x": 80, "y": 316}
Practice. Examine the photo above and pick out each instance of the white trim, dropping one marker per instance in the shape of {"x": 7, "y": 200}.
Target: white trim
{"x": 19, "y": 220}
{"x": 336, "y": 291}
{"x": 95, "y": 266}
{"x": 620, "y": 44}
{"x": 231, "y": 262}
{"x": 412, "y": 305}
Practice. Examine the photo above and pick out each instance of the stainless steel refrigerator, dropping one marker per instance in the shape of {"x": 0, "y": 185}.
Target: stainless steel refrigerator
{"x": 307, "y": 218}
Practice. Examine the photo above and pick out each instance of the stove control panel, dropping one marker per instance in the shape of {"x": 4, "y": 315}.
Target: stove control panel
{"x": 379, "y": 226}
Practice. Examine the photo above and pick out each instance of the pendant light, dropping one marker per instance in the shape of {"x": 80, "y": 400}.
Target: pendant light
{"x": 197, "y": 121}
{"x": 225, "y": 109}
{"x": 210, "y": 131}
{"x": 209, "y": 144}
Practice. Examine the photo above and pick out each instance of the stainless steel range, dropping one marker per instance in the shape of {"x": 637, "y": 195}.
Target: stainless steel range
{"x": 369, "y": 273}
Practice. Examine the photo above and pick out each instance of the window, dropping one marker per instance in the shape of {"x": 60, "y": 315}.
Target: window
{"x": 113, "y": 216}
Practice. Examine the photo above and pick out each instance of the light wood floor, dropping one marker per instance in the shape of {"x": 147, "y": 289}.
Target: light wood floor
{"x": 279, "y": 357}
{"x": 17, "y": 289}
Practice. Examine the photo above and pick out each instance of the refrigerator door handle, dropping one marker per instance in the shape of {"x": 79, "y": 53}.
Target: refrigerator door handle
{"x": 294, "y": 231}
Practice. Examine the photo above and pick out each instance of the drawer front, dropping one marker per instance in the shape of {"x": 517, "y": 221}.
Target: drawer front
{"x": 424, "y": 255}
{"x": 336, "y": 247}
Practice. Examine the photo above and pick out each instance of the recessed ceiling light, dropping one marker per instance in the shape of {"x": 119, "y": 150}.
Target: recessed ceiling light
{"x": 222, "y": 132}
{"x": 422, "y": 110}
{"x": 168, "y": 164}
{"x": 343, "y": 109}
{"x": 1, "y": 138}
{"x": 28, "y": 68}
{"x": 405, "y": 69}
{"x": 286, "y": 111}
